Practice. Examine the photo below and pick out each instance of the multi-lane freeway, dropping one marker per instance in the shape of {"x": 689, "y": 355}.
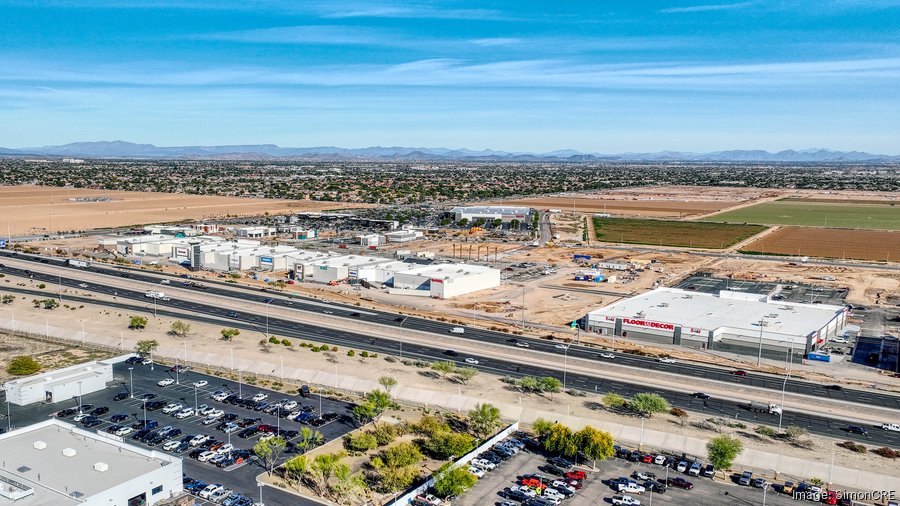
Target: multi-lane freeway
{"x": 250, "y": 318}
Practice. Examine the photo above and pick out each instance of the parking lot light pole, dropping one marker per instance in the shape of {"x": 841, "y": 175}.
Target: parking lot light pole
{"x": 260, "y": 485}
{"x": 131, "y": 381}
{"x": 240, "y": 384}
{"x": 176, "y": 370}
{"x": 195, "y": 400}
{"x": 79, "y": 398}
{"x": 144, "y": 403}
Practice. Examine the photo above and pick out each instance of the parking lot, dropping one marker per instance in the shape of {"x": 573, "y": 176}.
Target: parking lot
{"x": 239, "y": 476}
{"x": 599, "y": 486}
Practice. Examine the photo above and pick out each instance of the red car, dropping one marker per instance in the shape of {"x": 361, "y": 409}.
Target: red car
{"x": 830, "y": 497}
{"x": 576, "y": 484}
{"x": 679, "y": 483}
{"x": 576, "y": 475}
{"x": 266, "y": 428}
{"x": 648, "y": 459}
{"x": 740, "y": 373}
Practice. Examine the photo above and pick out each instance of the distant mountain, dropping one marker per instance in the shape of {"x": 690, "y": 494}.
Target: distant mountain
{"x": 128, "y": 150}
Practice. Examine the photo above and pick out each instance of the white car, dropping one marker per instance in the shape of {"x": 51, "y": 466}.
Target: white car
{"x": 201, "y": 383}
{"x": 198, "y": 440}
{"x": 165, "y": 382}
{"x": 625, "y": 500}
{"x": 204, "y": 409}
{"x": 289, "y": 405}
{"x": 209, "y": 490}
{"x": 219, "y": 396}
{"x": 79, "y": 417}
{"x": 561, "y": 485}
{"x": 124, "y": 431}
{"x": 894, "y": 427}
{"x": 520, "y": 344}
{"x": 209, "y": 420}
{"x": 220, "y": 495}
{"x": 171, "y": 445}
{"x": 172, "y": 407}
{"x": 525, "y": 490}
{"x": 631, "y": 488}
{"x": 146, "y": 361}
{"x": 225, "y": 449}
{"x": 562, "y": 346}
{"x": 259, "y": 397}
{"x": 644, "y": 475}
{"x": 609, "y": 356}
{"x": 484, "y": 464}
{"x": 82, "y": 285}
{"x": 203, "y": 457}
{"x": 659, "y": 460}
{"x": 184, "y": 413}
{"x": 215, "y": 413}
{"x": 266, "y": 437}
{"x": 478, "y": 472}
{"x": 682, "y": 466}
{"x": 666, "y": 360}
{"x": 165, "y": 282}
{"x": 472, "y": 361}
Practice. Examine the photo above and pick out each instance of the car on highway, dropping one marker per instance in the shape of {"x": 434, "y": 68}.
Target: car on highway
{"x": 608, "y": 356}
{"x": 231, "y": 314}
{"x": 836, "y": 388}
{"x": 472, "y": 361}
{"x": 666, "y": 360}
{"x": 894, "y": 427}
{"x": 165, "y": 282}
{"x": 856, "y": 429}
{"x": 201, "y": 383}
{"x": 451, "y": 353}
{"x": 700, "y": 395}
{"x": 522, "y": 344}
{"x": 355, "y": 315}
{"x": 739, "y": 373}
{"x": 165, "y": 382}
{"x": 82, "y": 285}
{"x": 327, "y": 311}
{"x": 562, "y": 346}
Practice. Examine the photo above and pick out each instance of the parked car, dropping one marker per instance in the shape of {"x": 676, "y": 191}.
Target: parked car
{"x": 745, "y": 479}
{"x": 680, "y": 482}
{"x": 165, "y": 382}
{"x": 625, "y": 500}
{"x": 695, "y": 469}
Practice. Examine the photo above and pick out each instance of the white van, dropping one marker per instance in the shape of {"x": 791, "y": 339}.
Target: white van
{"x": 457, "y": 330}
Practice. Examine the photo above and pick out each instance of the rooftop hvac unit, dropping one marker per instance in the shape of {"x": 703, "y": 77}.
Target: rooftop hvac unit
{"x": 773, "y": 315}
{"x": 101, "y": 467}
{"x": 40, "y": 445}
{"x": 69, "y": 452}
{"x": 663, "y": 304}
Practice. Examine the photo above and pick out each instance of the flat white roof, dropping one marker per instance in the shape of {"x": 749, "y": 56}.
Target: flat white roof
{"x": 71, "y": 373}
{"x": 448, "y": 271}
{"x": 710, "y": 312}
{"x": 491, "y": 210}
{"x": 57, "y": 478}
{"x": 351, "y": 261}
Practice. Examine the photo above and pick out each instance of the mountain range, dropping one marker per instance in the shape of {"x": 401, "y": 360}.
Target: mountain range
{"x": 128, "y": 150}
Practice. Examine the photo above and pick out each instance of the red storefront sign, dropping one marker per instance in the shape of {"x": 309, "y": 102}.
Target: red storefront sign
{"x": 652, "y": 325}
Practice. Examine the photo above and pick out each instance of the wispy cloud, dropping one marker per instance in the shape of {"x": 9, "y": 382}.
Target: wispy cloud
{"x": 706, "y": 8}
{"x": 413, "y": 12}
{"x": 305, "y": 34}
{"x": 496, "y": 41}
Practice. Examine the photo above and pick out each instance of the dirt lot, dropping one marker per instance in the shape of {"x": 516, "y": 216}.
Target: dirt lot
{"x": 50, "y": 355}
{"x": 830, "y": 243}
{"x": 38, "y": 209}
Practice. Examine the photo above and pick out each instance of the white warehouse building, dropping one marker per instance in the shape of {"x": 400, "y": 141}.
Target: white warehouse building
{"x": 490, "y": 213}
{"x": 54, "y": 463}
{"x": 730, "y": 321}
{"x": 445, "y": 281}
{"x": 60, "y": 384}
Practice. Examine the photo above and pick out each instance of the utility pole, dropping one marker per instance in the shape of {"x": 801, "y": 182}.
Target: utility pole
{"x": 523, "y": 306}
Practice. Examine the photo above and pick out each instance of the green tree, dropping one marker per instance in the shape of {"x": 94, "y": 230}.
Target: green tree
{"x": 385, "y": 434}
{"x": 443, "y": 368}
{"x": 561, "y": 440}
{"x": 363, "y": 413}
{"x": 453, "y": 481}
{"x": 392, "y": 479}
{"x": 360, "y": 442}
{"x": 484, "y": 419}
{"x": 346, "y": 484}
{"x": 322, "y": 469}
{"x": 269, "y": 451}
{"x": 550, "y": 384}
{"x": 446, "y": 444}
{"x": 528, "y": 384}
{"x": 647, "y": 404}
{"x": 229, "y": 334}
{"x": 430, "y": 425}
{"x": 613, "y": 400}
{"x": 137, "y": 323}
{"x": 295, "y": 469}
{"x": 50, "y": 303}
{"x": 8, "y": 299}
{"x": 146, "y": 347}
{"x": 308, "y": 439}
{"x": 464, "y": 374}
{"x": 388, "y": 382}
{"x": 722, "y": 451}
{"x": 542, "y": 427}
{"x": 595, "y": 444}
{"x": 23, "y": 365}
{"x": 401, "y": 455}
{"x": 180, "y": 328}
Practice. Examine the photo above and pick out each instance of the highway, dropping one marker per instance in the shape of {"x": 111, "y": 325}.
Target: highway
{"x": 251, "y": 319}
{"x": 692, "y": 370}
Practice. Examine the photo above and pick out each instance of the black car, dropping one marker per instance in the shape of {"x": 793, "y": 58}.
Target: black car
{"x": 118, "y": 417}
{"x": 515, "y": 495}
{"x": 355, "y": 315}
{"x": 91, "y": 421}
{"x": 148, "y": 396}
{"x": 121, "y": 396}
{"x": 86, "y": 407}
{"x": 700, "y": 395}
{"x": 655, "y": 487}
{"x": 229, "y": 417}
{"x": 261, "y": 406}
{"x": 550, "y": 468}
{"x": 231, "y": 314}
{"x": 451, "y": 353}
{"x": 67, "y": 412}
{"x": 856, "y": 429}
{"x": 248, "y": 432}
{"x": 133, "y": 360}
{"x": 288, "y": 434}
{"x": 102, "y": 410}
{"x": 330, "y": 416}
{"x": 304, "y": 391}
{"x": 153, "y": 406}
{"x": 560, "y": 462}
{"x": 834, "y": 387}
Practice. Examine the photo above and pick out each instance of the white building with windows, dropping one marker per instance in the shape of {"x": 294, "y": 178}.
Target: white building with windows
{"x": 60, "y": 384}
{"x": 54, "y": 463}
{"x": 490, "y": 213}
{"x": 445, "y": 281}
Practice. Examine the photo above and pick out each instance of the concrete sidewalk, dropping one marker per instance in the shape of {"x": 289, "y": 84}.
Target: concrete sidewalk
{"x": 761, "y": 462}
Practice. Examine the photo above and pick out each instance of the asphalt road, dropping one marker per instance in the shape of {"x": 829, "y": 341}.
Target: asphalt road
{"x": 692, "y": 370}
{"x": 724, "y": 408}
{"x": 143, "y": 379}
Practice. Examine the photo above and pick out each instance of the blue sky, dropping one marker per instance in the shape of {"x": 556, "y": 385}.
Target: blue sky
{"x": 602, "y": 76}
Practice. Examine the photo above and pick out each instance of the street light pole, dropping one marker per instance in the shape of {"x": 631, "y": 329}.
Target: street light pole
{"x": 401, "y": 338}
{"x": 759, "y": 354}
{"x": 240, "y": 384}
{"x": 176, "y": 370}
{"x": 784, "y": 387}
{"x": 79, "y": 398}
{"x": 131, "y": 382}
{"x": 196, "y": 405}
{"x": 565, "y": 365}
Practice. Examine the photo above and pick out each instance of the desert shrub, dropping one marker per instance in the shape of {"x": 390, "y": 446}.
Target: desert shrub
{"x": 854, "y": 447}
{"x": 888, "y": 453}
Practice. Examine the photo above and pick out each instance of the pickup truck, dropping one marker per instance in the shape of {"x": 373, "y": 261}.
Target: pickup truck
{"x": 894, "y": 427}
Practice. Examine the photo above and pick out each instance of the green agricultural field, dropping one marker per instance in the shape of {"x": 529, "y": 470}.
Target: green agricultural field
{"x": 876, "y": 216}
{"x": 673, "y": 233}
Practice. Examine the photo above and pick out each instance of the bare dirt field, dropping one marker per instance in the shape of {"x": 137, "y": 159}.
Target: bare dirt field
{"x": 830, "y": 243}
{"x": 39, "y": 209}
{"x": 636, "y": 207}
{"x": 49, "y": 355}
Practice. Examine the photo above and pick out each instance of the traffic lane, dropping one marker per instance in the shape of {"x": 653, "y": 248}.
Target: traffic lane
{"x": 413, "y": 323}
